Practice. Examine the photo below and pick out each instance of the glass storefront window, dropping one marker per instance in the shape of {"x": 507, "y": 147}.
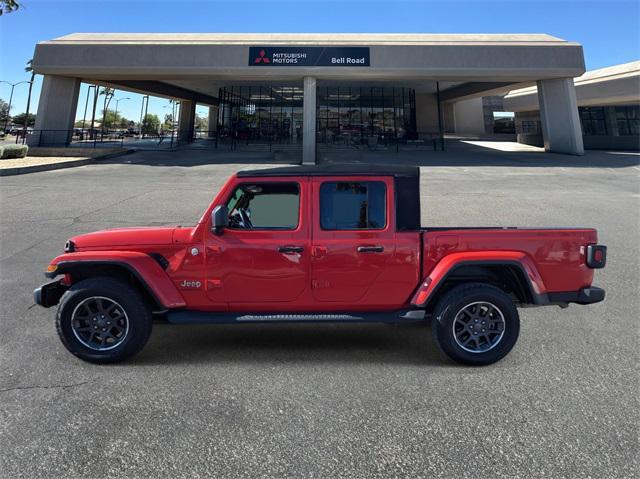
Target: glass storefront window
{"x": 348, "y": 116}
{"x": 355, "y": 116}
{"x": 262, "y": 114}
{"x": 628, "y": 120}
{"x": 592, "y": 120}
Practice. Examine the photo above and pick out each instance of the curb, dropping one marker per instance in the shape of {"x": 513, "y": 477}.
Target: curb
{"x": 21, "y": 170}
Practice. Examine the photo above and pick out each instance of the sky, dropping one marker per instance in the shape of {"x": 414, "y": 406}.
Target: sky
{"x": 608, "y": 30}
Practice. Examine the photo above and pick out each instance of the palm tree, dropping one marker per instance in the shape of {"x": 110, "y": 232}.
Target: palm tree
{"x": 108, "y": 95}
{"x": 8, "y": 6}
{"x": 29, "y": 69}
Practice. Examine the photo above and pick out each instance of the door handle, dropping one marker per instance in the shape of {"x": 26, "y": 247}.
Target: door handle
{"x": 288, "y": 249}
{"x": 370, "y": 249}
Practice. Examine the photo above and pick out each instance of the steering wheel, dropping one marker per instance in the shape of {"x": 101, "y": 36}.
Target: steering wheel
{"x": 240, "y": 220}
{"x": 244, "y": 216}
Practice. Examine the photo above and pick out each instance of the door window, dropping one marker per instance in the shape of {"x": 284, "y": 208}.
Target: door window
{"x": 353, "y": 205}
{"x": 273, "y": 206}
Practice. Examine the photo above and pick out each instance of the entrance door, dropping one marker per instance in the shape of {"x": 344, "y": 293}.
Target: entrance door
{"x": 263, "y": 256}
{"x": 353, "y": 236}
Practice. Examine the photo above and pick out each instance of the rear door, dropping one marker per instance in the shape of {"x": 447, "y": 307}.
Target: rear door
{"x": 353, "y": 236}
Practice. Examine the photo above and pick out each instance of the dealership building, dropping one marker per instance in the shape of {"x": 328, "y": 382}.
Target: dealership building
{"x": 608, "y": 106}
{"x": 317, "y": 89}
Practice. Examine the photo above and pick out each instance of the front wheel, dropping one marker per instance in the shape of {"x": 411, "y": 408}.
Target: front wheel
{"x": 476, "y": 324}
{"x": 103, "y": 320}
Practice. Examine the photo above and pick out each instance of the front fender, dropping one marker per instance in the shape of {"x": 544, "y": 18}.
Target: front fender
{"x": 141, "y": 265}
{"x": 449, "y": 263}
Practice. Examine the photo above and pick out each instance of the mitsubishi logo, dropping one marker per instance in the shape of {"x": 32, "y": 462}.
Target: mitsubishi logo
{"x": 262, "y": 58}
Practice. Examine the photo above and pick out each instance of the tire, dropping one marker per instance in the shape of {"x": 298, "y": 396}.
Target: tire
{"x": 467, "y": 323}
{"x": 126, "y": 323}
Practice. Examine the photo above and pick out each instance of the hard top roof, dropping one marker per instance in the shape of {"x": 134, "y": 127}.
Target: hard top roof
{"x": 335, "y": 170}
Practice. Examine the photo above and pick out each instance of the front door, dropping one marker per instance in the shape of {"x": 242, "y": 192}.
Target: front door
{"x": 263, "y": 255}
{"x": 353, "y": 237}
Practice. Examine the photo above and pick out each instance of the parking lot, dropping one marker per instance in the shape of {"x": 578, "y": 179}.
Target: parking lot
{"x": 320, "y": 400}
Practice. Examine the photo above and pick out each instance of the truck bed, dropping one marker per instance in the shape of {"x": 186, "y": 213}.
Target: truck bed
{"x": 557, "y": 253}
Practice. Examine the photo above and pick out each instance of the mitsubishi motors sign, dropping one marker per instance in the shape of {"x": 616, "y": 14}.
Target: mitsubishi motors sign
{"x": 309, "y": 56}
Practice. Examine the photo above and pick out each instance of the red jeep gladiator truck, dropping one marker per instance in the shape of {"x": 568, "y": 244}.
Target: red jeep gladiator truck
{"x": 317, "y": 244}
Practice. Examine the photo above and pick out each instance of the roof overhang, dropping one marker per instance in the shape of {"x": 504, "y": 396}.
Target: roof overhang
{"x": 506, "y": 59}
{"x": 615, "y": 85}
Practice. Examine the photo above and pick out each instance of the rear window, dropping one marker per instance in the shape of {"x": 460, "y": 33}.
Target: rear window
{"x": 353, "y": 205}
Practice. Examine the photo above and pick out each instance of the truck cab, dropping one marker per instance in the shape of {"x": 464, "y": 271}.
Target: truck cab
{"x": 308, "y": 244}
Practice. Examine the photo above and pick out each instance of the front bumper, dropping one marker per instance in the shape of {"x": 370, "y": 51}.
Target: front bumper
{"x": 49, "y": 294}
{"x": 584, "y": 296}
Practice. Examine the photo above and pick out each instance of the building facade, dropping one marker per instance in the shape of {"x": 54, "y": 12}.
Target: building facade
{"x": 316, "y": 89}
{"x": 608, "y": 106}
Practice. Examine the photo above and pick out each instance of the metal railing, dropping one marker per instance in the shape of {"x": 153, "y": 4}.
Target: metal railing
{"x": 225, "y": 140}
{"x": 253, "y": 140}
{"x": 235, "y": 140}
{"x": 415, "y": 141}
{"x": 78, "y": 138}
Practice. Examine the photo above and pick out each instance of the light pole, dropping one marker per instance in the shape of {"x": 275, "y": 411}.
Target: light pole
{"x": 118, "y": 100}
{"x": 13, "y": 85}
{"x": 145, "y": 102}
{"x": 93, "y": 113}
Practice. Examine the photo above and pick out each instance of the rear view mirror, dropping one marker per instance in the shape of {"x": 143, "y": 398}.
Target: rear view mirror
{"x": 219, "y": 219}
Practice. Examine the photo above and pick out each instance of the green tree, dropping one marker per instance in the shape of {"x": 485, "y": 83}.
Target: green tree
{"x": 4, "y": 111}
{"x": 168, "y": 122}
{"x": 202, "y": 123}
{"x": 150, "y": 124}
{"x": 114, "y": 120}
{"x": 124, "y": 123}
{"x": 20, "y": 119}
{"x": 108, "y": 95}
{"x": 8, "y": 6}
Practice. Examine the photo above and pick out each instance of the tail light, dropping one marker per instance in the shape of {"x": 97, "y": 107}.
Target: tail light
{"x": 596, "y": 256}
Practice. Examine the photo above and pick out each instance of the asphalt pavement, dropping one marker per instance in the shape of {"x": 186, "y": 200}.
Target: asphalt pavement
{"x": 321, "y": 400}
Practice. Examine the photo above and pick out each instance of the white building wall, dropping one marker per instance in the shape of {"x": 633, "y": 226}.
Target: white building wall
{"x": 426, "y": 113}
{"x": 468, "y": 117}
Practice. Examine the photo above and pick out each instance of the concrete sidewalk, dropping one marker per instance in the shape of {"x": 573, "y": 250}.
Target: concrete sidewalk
{"x": 46, "y": 159}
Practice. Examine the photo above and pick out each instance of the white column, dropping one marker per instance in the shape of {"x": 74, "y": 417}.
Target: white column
{"x": 56, "y": 111}
{"x": 309, "y": 122}
{"x": 559, "y": 116}
{"x": 186, "y": 120}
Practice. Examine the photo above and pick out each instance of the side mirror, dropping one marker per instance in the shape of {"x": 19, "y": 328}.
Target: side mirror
{"x": 219, "y": 219}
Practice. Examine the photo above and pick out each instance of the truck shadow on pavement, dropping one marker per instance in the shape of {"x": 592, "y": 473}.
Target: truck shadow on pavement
{"x": 292, "y": 343}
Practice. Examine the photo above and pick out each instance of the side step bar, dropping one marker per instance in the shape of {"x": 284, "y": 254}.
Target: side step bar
{"x": 206, "y": 317}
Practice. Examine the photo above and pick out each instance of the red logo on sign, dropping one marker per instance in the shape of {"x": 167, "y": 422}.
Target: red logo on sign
{"x": 262, "y": 58}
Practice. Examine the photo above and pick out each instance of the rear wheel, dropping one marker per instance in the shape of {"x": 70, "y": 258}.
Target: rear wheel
{"x": 103, "y": 320}
{"x": 476, "y": 324}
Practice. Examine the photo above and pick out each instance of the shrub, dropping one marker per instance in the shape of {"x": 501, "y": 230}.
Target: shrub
{"x": 14, "y": 151}
{"x": 1, "y": 151}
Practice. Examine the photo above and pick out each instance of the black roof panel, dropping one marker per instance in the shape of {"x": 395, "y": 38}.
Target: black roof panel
{"x": 335, "y": 170}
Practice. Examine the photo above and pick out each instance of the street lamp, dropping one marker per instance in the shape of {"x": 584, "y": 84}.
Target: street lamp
{"x": 118, "y": 101}
{"x": 13, "y": 85}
